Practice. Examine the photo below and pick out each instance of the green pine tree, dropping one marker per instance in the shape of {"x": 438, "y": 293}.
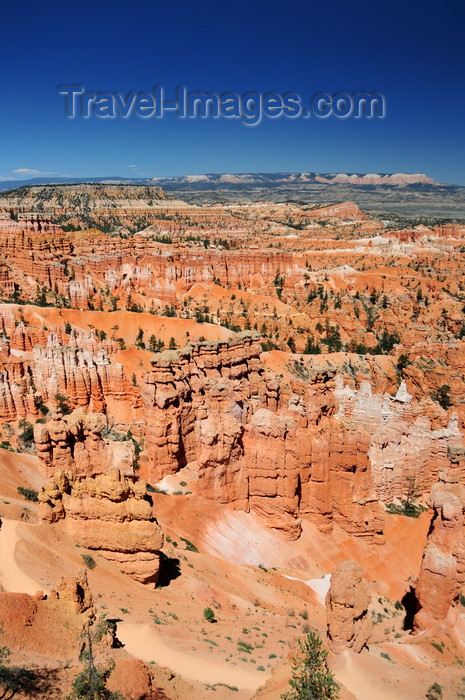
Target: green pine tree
{"x": 311, "y": 678}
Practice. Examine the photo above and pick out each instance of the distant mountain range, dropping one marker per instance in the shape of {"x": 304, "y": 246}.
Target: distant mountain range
{"x": 394, "y": 179}
{"x": 405, "y": 194}
{"x": 300, "y": 178}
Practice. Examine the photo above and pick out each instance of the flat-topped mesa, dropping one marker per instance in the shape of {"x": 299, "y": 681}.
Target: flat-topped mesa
{"x": 74, "y": 443}
{"x": 86, "y": 199}
{"x": 347, "y": 602}
{"x": 442, "y": 572}
{"x": 214, "y": 404}
{"x": 110, "y": 513}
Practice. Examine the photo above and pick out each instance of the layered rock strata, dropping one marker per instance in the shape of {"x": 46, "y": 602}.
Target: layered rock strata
{"x": 110, "y": 513}
{"x": 278, "y": 452}
{"x": 75, "y": 443}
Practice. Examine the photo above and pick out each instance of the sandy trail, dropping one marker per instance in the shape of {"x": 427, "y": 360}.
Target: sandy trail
{"x": 145, "y": 643}
{"x": 358, "y": 682}
{"x": 12, "y": 577}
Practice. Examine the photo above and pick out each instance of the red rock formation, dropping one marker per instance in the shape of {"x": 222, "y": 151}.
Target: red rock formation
{"x": 442, "y": 572}
{"x": 76, "y": 366}
{"x": 347, "y": 602}
{"x": 74, "y": 443}
{"x": 400, "y": 440}
{"x": 210, "y": 403}
{"x": 174, "y": 391}
{"x": 133, "y": 680}
{"x": 76, "y": 590}
{"x": 110, "y": 513}
{"x": 48, "y": 625}
{"x": 344, "y": 210}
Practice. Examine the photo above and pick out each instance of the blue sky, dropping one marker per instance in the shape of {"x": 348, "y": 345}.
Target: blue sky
{"x": 413, "y": 54}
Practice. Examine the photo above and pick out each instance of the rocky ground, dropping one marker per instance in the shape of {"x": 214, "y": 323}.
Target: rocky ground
{"x": 237, "y": 408}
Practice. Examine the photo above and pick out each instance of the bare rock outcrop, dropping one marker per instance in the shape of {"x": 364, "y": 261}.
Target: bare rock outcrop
{"x": 132, "y": 678}
{"x": 75, "y": 443}
{"x": 76, "y": 590}
{"x": 442, "y": 572}
{"x": 400, "y": 439}
{"x": 347, "y": 601}
{"x": 110, "y": 513}
{"x": 212, "y": 403}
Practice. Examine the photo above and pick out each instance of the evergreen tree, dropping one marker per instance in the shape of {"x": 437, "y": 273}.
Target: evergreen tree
{"x": 15, "y": 679}
{"x": 91, "y": 683}
{"x": 311, "y": 678}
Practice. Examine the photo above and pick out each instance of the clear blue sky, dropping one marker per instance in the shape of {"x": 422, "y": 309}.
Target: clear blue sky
{"x": 414, "y": 54}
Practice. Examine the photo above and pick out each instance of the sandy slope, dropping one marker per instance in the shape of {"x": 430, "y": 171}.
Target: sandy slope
{"x": 12, "y": 578}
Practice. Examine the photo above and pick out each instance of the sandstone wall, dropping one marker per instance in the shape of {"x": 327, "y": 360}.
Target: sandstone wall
{"x": 442, "y": 572}
{"x": 280, "y": 453}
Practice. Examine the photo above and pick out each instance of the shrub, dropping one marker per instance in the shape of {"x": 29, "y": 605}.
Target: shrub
{"x": 434, "y": 692}
{"x": 27, "y": 435}
{"x": 89, "y": 561}
{"x": 189, "y": 546}
{"x": 311, "y": 348}
{"x": 62, "y": 403}
{"x": 441, "y": 396}
{"x": 410, "y": 510}
{"x": 15, "y": 679}
{"x": 29, "y": 494}
{"x": 91, "y": 682}
{"x": 408, "y": 507}
{"x": 209, "y": 615}
{"x": 402, "y": 363}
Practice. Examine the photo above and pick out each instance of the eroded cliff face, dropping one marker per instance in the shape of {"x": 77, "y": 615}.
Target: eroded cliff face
{"x": 287, "y": 450}
{"x": 278, "y": 452}
{"x": 405, "y": 438}
{"x": 303, "y": 444}
{"x": 75, "y": 444}
{"x": 36, "y": 365}
{"x": 347, "y": 602}
{"x": 442, "y": 572}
